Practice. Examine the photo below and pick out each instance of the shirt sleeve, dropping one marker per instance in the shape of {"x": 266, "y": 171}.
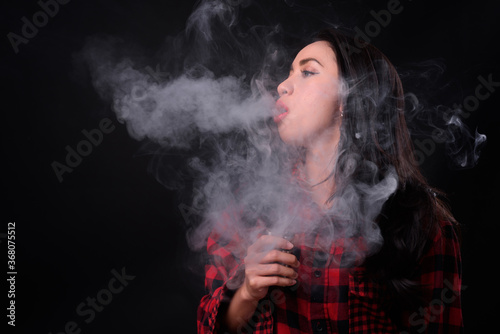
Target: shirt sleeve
{"x": 441, "y": 282}
{"x": 224, "y": 273}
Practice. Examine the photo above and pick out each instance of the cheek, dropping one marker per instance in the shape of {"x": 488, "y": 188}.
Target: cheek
{"x": 325, "y": 104}
{"x": 323, "y": 93}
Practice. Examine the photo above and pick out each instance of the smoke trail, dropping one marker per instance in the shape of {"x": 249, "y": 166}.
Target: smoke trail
{"x": 216, "y": 109}
{"x": 175, "y": 113}
{"x": 437, "y": 125}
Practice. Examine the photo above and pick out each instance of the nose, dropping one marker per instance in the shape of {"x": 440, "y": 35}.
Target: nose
{"x": 285, "y": 88}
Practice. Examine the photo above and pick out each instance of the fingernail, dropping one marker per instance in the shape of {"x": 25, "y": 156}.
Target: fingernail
{"x": 289, "y": 244}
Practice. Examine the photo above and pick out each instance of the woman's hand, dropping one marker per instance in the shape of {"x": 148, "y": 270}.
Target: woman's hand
{"x": 266, "y": 264}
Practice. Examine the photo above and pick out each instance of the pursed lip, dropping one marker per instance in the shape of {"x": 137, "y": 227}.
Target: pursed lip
{"x": 281, "y": 111}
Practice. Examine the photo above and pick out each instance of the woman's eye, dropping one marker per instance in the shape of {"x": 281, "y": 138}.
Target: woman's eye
{"x": 307, "y": 73}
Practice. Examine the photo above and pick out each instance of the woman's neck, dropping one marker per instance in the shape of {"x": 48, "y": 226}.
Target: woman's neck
{"x": 318, "y": 168}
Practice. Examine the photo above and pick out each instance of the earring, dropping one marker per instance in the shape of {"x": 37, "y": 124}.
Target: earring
{"x": 341, "y": 113}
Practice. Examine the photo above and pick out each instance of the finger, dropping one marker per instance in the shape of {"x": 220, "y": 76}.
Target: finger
{"x": 260, "y": 282}
{"x": 268, "y": 242}
{"x": 280, "y": 257}
{"x": 274, "y": 269}
{"x": 272, "y": 256}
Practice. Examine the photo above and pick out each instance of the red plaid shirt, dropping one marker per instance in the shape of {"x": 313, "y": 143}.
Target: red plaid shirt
{"x": 333, "y": 295}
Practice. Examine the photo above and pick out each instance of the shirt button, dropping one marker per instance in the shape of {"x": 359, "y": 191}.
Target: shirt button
{"x": 317, "y": 273}
{"x": 319, "y": 326}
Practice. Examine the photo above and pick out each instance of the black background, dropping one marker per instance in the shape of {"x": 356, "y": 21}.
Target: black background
{"x": 110, "y": 213}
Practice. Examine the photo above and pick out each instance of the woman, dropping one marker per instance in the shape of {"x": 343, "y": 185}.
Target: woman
{"x": 344, "y": 106}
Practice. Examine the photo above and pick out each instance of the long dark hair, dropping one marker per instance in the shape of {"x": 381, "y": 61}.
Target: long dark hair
{"x": 374, "y": 131}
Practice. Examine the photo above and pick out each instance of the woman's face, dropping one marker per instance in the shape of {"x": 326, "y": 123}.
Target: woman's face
{"x": 308, "y": 107}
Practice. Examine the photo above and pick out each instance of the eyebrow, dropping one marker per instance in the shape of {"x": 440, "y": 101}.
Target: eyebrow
{"x": 305, "y": 61}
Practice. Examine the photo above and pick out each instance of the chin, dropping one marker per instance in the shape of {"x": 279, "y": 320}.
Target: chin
{"x": 290, "y": 138}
